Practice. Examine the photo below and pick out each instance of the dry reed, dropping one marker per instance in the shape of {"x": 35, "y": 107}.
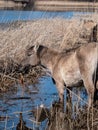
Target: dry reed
{"x": 59, "y": 34}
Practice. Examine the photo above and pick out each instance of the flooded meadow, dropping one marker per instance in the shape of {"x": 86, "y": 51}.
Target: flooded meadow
{"x": 31, "y": 101}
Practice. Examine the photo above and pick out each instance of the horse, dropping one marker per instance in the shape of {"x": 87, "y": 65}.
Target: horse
{"x": 68, "y": 69}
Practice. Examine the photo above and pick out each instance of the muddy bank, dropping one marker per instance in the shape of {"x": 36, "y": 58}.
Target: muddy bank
{"x": 58, "y": 34}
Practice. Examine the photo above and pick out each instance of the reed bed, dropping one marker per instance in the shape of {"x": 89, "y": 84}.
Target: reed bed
{"x": 57, "y": 33}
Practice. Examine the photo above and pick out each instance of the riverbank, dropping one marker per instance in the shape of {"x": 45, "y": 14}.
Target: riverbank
{"x": 10, "y": 5}
{"x": 65, "y": 6}
{"x": 51, "y": 5}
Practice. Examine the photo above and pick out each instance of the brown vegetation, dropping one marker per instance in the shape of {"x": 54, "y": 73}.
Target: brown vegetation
{"x": 60, "y": 34}
{"x": 73, "y": 118}
{"x": 55, "y": 33}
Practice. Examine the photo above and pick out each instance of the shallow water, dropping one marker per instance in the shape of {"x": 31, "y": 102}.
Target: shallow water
{"x": 12, "y": 103}
{"x": 10, "y": 16}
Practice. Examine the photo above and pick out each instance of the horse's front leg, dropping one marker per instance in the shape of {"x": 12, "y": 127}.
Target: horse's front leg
{"x": 60, "y": 88}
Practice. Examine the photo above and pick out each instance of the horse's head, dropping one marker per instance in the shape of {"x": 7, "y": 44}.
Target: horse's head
{"x": 32, "y": 55}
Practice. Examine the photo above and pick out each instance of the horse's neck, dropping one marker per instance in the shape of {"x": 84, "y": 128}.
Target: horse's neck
{"x": 48, "y": 59}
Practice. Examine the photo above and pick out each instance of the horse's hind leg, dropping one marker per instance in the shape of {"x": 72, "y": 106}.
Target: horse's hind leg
{"x": 87, "y": 71}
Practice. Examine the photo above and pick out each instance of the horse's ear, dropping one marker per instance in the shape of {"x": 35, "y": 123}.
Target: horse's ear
{"x": 36, "y": 48}
{"x": 32, "y": 49}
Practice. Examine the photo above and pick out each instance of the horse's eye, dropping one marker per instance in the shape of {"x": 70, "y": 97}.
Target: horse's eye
{"x": 29, "y": 54}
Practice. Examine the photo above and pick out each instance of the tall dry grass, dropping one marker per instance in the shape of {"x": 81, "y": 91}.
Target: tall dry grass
{"x": 57, "y": 33}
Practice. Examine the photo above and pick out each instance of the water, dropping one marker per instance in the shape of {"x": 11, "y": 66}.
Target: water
{"x": 10, "y": 16}
{"x": 34, "y": 95}
{"x": 10, "y": 104}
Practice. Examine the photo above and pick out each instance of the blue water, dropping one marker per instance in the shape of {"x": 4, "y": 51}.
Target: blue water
{"x": 44, "y": 92}
{"x": 10, "y": 16}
